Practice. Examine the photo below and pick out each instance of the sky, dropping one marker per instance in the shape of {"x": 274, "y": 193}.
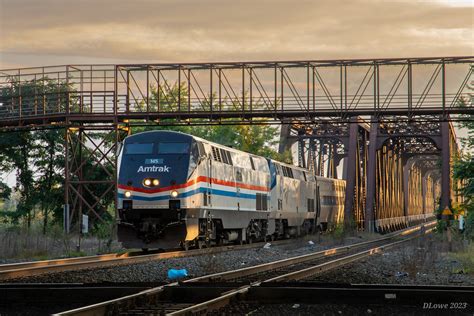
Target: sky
{"x": 55, "y": 32}
{"x": 50, "y": 32}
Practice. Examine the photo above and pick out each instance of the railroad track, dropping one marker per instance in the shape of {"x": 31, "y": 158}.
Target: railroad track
{"x": 44, "y": 298}
{"x": 26, "y": 269}
{"x": 291, "y": 298}
{"x": 211, "y": 292}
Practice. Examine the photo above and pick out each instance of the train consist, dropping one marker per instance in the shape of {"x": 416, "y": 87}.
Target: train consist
{"x": 178, "y": 189}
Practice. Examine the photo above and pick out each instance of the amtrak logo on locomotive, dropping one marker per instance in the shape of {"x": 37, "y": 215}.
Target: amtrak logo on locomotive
{"x": 154, "y": 169}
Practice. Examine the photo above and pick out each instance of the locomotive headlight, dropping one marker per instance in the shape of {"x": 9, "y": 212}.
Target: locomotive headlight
{"x": 128, "y": 194}
{"x": 156, "y": 182}
{"x": 174, "y": 193}
{"x": 147, "y": 182}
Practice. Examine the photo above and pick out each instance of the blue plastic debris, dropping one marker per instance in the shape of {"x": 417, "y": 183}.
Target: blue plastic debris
{"x": 177, "y": 273}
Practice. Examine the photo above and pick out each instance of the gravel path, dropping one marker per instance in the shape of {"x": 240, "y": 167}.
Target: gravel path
{"x": 156, "y": 270}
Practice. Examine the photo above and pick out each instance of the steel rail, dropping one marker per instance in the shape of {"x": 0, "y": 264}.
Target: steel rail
{"x": 301, "y": 274}
{"x": 243, "y": 272}
{"x": 25, "y": 269}
{"x": 310, "y": 271}
{"x": 410, "y": 298}
{"x": 153, "y": 294}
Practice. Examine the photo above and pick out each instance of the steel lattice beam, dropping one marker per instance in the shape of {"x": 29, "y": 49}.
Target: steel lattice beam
{"x": 243, "y": 92}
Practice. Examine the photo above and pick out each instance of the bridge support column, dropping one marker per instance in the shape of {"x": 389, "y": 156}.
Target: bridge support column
{"x": 371, "y": 171}
{"x": 351, "y": 173}
{"x": 90, "y": 170}
{"x": 301, "y": 152}
{"x": 408, "y": 164}
{"x": 446, "y": 167}
{"x": 406, "y": 181}
{"x": 424, "y": 191}
{"x": 285, "y": 143}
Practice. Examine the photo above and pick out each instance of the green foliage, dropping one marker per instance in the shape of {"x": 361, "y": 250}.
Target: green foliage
{"x": 75, "y": 253}
{"x": 37, "y": 157}
{"x": 466, "y": 259}
{"x": 15, "y": 154}
{"x": 339, "y": 232}
{"x": 259, "y": 139}
{"x": 104, "y": 233}
{"x": 5, "y": 191}
{"x": 469, "y": 224}
{"x": 463, "y": 170}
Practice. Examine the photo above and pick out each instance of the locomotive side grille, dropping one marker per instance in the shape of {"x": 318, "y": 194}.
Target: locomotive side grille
{"x": 225, "y": 158}
{"x": 222, "y": 155}
{"x": 216, "y": 154}
{"x": 262, "y": 203}
{"x": 311, "y": 205}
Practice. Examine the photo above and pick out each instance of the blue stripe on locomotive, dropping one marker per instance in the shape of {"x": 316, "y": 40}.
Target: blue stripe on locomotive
{"x": 192, "y": 192}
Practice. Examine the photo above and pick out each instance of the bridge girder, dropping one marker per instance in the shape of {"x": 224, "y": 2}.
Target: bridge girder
{"x": 322, "y": 96}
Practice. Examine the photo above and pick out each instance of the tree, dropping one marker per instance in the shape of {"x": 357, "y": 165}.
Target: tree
{"x": 464, "y": 170}
{"x": 259, "y": 139}
{"x": 15, "y": 154}
{"x": 49, "y": 164}
{"x": 5, "y": 191}
{"x": 36, "y": 156}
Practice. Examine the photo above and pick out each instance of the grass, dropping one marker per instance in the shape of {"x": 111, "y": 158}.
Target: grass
{"x": 466, "y": 258}
{"x": 18, "y": 244}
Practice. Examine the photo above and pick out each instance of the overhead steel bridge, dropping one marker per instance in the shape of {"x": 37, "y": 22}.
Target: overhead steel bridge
{"x": 239, "y": 92}
{"x": 389, "y": 119}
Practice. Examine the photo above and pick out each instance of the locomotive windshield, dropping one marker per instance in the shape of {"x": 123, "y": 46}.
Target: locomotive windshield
{"x": 139, "y": 148}
{"x": 173, "y": 148}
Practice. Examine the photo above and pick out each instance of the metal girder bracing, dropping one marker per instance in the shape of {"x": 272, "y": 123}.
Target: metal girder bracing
{"x": 390, "y": 167}
{"x": 90, "y": 169}
{"x": 243, "y": 92}
{"x": 325, "y": 145}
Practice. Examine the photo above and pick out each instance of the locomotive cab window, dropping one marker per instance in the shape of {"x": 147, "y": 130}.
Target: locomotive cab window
{"x": 139, "y": 148}
{"x": 193, "y": 158}
{"x": 173, "y": 148}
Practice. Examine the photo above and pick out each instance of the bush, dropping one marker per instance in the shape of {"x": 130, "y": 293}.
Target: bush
{"x": 469, "y": 225}
{"x": 104, "y": 233}
{"x": 339, "y": 232}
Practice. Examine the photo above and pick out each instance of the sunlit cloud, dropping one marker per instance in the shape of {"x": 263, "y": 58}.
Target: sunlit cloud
{"x": 54, "y": 31}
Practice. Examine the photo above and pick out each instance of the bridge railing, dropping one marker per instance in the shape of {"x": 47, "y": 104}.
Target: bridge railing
{"x": 272, "y": 89}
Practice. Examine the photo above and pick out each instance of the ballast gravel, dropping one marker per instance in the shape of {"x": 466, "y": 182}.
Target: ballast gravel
{"x": 156, "y": 270}
{"x": 426, "y": 261}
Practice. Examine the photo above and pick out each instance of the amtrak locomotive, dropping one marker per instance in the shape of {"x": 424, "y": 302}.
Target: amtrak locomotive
{"x": 178, "y": 189}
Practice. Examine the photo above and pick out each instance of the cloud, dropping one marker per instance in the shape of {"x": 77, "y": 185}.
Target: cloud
{"x": 217, "y": 30}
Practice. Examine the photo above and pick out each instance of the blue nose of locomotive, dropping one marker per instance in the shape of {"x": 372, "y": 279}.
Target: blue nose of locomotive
{"x": 153, "y": 163}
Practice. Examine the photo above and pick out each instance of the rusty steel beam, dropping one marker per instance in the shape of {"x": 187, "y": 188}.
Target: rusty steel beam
{"x": 351, "y": 174}
{"x": 446, "y": 167}
{"x": 371, "y": 180}
{"x": 87, "y": 148}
